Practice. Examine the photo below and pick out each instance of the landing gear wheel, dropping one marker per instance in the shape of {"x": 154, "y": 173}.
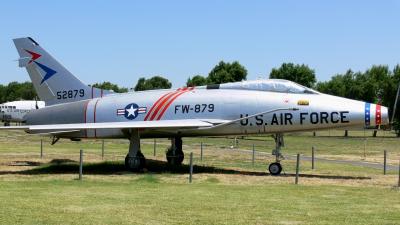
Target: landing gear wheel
{"x": 175, "y": 157}
{"x": 275, "y": 168}
{"x": 135, "y": 163}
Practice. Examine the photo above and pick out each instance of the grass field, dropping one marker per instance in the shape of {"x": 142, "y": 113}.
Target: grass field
{"x": 227, "y": 188}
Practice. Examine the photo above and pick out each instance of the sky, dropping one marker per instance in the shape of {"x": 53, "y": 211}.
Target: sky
{"x": 121, "y": 41}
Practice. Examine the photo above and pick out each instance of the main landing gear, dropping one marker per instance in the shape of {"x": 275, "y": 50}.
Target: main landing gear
{"x": 276, "y": 167}
{"x": 174, "y": 153}
{"x": 135, "y": 160}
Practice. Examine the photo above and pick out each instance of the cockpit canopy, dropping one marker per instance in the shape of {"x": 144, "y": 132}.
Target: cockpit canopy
{"x": 272, "y": 85}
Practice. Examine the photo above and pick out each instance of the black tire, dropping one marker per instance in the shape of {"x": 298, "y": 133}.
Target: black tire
{"x": 275, "y": 169}
{"x": 175, "y": 159}
{"x": 138, "y": 164}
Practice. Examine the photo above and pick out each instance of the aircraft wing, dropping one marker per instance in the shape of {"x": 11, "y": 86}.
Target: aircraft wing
{"x": 159, "y": 124}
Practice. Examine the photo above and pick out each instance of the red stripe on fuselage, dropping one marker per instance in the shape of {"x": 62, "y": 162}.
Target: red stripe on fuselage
{"x": 162, "y": 104}
{"x": 158, "y": 102}
{"x": 94, "y": 116}
{"x": 172, "y": 100}
{"x": 378, "y": 115}
{"x": 85, "y": 110}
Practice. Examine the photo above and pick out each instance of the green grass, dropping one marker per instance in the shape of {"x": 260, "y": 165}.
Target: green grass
{"x": 144, "y": 200}
{"x": 227, "y": 188}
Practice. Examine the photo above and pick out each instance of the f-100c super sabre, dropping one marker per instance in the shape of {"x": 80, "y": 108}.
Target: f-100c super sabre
{"x": 271, "y": 106}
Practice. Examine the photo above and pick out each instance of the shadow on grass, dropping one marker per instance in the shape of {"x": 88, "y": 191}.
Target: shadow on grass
{"x": 62, "y": 166}
{"x": 24, "y": 163}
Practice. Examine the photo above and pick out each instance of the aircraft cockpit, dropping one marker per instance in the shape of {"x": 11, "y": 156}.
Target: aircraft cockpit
{"x": 271, "y": 85}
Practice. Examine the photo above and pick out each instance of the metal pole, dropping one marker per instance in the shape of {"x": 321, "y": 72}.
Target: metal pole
{"x": 399, "y": 175}
{"x": 155, "y": 147}
{"x": 80, "y": 164}
{"x": 395, "y": 103}
{"x": 254, "y": 151}
{"x": 191, "y": 167}
{"x": 236, "y": 142}
{"x": 384, "y": 162}
{"x": 102, "y": 150}
{"x": 313, "y": 157}
{"x": 297, "y": 169}
{"x": 201, "y": 151}
{"x": 365, "y": 138}
{"x": 41, "y": 148}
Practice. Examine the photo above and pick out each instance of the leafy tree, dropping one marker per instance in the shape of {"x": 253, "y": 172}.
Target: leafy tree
{"x": 227, "y": 72}
{"x": 394, "y": 85}
{"x": 374, "y": 85}
{"x": 300, "y": 74}
{"x": 156, "y": 82}
{"x": 197, "y": 80}
{"x": 344, "y": 85}
{"x": 3, "y": 94}
{"x": 378, "y": 85}
{"x": 17, "y": 91}
{"x": 110, "y": 86}
{"x": 379, "y": 80}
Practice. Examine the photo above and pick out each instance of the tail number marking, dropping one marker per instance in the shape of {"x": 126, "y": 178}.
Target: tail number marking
{"x": 70, "y": 94}
{"x": 197, "y": 108}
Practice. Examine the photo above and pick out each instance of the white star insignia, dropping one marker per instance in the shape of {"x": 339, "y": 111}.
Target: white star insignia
{"x": 131, "y": 111}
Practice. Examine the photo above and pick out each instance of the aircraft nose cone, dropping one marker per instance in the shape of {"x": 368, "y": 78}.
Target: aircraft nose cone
{"x": 376, "y": 115}
{"x": 384, "y": 115}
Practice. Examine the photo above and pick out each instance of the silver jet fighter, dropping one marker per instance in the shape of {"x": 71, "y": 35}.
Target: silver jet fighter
{"x": 268, "y": 106}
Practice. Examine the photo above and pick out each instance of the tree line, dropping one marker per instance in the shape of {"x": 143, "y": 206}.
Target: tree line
{"x": 223, "y": 72}
{"x": 17, "y": 91}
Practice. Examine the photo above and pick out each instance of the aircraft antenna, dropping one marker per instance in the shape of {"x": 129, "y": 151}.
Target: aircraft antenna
{"x": 395, "y": 104}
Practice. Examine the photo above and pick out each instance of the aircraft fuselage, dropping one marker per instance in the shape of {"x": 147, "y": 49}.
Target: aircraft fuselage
{"x": 316, "y": 111}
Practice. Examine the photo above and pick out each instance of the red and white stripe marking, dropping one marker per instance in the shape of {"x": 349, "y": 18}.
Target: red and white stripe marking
{"x": 159, "y": 108}
{"x": 142, "y": 110}
{"x": 378, "y": 115}
{"x": 120, "y": 112}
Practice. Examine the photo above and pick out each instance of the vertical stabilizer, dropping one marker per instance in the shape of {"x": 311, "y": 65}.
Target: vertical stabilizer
{"x": 53, "y": 83}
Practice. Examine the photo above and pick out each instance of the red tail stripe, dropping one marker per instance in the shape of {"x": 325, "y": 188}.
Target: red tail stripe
{"x": 163, "y": 103}
{"x": 85, "y": 111}
{"x": 94, "y": 116}
{"x": 155, "y": 105}
{"x": 172, "y": 100}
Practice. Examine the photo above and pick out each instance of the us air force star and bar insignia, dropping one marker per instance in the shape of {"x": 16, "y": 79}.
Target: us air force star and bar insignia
{"x": 131, "y": 111}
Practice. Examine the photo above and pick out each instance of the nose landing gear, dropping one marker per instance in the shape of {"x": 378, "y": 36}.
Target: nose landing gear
{"x": 276, "y": 167}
